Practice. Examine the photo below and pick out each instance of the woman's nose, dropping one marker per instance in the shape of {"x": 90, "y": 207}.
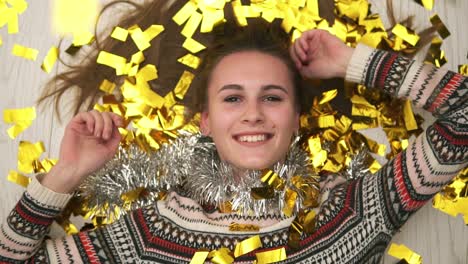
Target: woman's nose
{"x": 253, "y": 113}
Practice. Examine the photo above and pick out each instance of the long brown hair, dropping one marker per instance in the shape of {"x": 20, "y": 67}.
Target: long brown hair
{"x": 85, "y": 77}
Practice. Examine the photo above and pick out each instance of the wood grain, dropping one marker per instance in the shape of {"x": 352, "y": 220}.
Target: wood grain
{"x": 438, "y": 237}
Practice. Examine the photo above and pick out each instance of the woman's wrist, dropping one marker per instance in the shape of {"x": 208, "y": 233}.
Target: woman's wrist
{"x": 345, "y": 59}
{"x": 61, "y": 179}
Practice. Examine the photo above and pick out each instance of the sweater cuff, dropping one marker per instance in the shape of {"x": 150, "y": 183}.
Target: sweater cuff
{"x": 47, "y": 196}
{"x": 357, "y": 66}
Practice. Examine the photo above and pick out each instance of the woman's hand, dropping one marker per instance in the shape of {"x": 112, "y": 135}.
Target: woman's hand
{"x": 318, "y": 54}
{"x": 90, "y": 140}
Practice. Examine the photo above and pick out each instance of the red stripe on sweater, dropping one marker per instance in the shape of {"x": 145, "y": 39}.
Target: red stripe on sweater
{"x": 385, "y": 70}
{"x": 462, "y": 141}
{"x": 446, "y": 92}
{"x": 407, "y": 203}
{"x": 88, "y": 247}
{"x": 340, "y": 219}
{"x": 29, "y": 218}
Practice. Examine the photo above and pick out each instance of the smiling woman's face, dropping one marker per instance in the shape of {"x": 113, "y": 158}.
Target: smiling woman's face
{"x": 251, "y": 113}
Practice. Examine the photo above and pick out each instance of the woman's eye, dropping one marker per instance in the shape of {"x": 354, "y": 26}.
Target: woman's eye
{"x": 272, "y": 98}
{"x": 232, "y": 99}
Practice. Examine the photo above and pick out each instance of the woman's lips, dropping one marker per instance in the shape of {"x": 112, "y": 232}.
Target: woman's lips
{"x": 253, "y": 139}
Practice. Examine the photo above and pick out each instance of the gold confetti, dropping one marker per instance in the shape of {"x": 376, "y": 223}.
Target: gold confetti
{"x": 328, "y": 96}
{"x": 107, "y": 86}
{"x": 74, "y": 17}
{"x": 247, "y": 245}
{"x": 271, "y": 256}
{"x": 28, "y": 154}
{"x": 428, "y": 4}
{"x": 402, "y": 32}
{"x": 82, "y": 38}
{"x": 139, "y": 37}
{"x": 199, "y": 257}
{"x": 18, "y": 178}
{"x": 439, "y": 25}
{"x": 25, "y": 52}
{"x": 463, "y": 69}
{"x": 243, "y": 227}
{"x": 185, "y": 12}
{"x": 21, "y": 118}
{"x": 113, "y": 61}
{"x": 403, "y": 252}
{"x": 192, "y": 25}
{"x": 183, "y": 85}
{"x": 119, "y": 34}
{"x": 193, "y": 46}
{"x": 50, "y": 59}
{"x": 153, "y": 31}
{"x": 9, "y": 16}
{"x": 410, "y": 121}
{"x": 190, "y": 60}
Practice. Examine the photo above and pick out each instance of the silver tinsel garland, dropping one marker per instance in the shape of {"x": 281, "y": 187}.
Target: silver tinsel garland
{"x": 190, "y": 166}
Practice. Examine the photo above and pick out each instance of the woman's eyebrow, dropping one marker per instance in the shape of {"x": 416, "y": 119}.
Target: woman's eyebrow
{"x": 274, "y": 87}
{"x": 264, "y": 88}
{"x": 231, "y": 87}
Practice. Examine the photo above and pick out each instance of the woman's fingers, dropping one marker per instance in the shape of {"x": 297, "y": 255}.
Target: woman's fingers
{"x": 98, "y": 123}
{"x": 108, "y": 125}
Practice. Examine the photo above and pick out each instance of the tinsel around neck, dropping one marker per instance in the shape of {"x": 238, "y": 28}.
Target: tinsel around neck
{"x": 191, "y": 167}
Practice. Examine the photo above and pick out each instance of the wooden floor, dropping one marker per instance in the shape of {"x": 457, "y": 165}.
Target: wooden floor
{"x": 438, "y": 237}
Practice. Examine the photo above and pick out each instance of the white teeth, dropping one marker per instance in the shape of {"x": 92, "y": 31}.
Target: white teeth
{"x": 256, "y": 138}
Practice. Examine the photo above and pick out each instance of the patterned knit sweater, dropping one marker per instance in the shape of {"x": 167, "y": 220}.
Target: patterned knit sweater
{"x": 355, "y": 223}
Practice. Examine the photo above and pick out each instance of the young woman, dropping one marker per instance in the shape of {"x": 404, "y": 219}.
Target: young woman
{"x": 250, "y": 108}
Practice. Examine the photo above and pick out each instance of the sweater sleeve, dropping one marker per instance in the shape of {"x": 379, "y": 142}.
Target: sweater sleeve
{"x": 22, "y": 235}
{"x": 416, "y": 174}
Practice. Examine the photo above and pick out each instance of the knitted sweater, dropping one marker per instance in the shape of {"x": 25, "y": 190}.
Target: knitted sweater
{"x": 354, "y": 225}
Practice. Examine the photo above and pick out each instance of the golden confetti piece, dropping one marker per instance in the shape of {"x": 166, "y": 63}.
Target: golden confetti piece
{"x": 402, "y": 32}
{"x": 408, "y": 116}
{"x": 328, "y": 96}
{"x": 193, "y": 46}
{"x": 153, "y": 31}
{"x": 271, "y": 256}
{"x": 50, "y": 59}
{"x": 192, "y": 25}
{"x": 290, "y": 197}
{"x": 221, "y": 256}
{"x": 147, "y": 73}
{"x": 113, "y": 61}
{"x": 439, "y": 25}
{"x": 190, "y": 60}
{"x": 139, "y": 37}
{"x": 210, "y": 19}
{"x": 107, "y": 86}
{"x": 28, "y": 153}
{"x": 21, "y": 118}
{"x": 82, "y": 38}
{"x": 137, "y": 58}
{"x": 120, "y": 34}
{"x": 243, "y": 227}
{"x": 375, "y": 167}
{"x": 70, "y": 16}
{"x": 428, "y": 4}
{"x": 18, "y": 5}
{"x": 403, "y": 252}
{"x": 9, "y": 16}
{"x": 463, "y": 69}
{"x": 247, "y": 245}
{"x": 185, "y": 12}
{"x": 25, "y": 52}
{"x": 199, "y": 257}
{"x": 18, "y": 178}
{"x": 183, "y": 85}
